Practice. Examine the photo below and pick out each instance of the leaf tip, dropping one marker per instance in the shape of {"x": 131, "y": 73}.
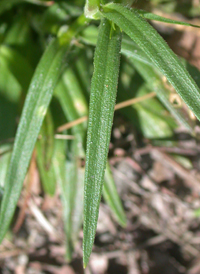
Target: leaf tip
{"x": 85, "y": 261}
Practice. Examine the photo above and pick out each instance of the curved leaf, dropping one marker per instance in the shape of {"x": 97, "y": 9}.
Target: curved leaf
{"x": 37, "y": 101}
{"x": 148, "y": 71}
{"x": 155, "y": 82}
{"x": 36, "y": 104}
{"x": 158, "y": 52}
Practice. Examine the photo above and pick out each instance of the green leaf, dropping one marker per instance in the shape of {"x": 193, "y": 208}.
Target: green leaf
{"x": 19, "y": 32}
{"x": 44, "y": 152}
{"x": 20, "y": 38}
{"x": 184, "y": 161}
{"x": 155, "y": 82}
{"x": 17, "y": 65}
{"x": 8, "y": 4}
{"x": 59, "y": 165}
{"x": 36, "y": 104}
{"x": 52, "y": 19}
{"x": 10, "y": 91}
{"x": 149, "y": 117}
{"x": 77, "y": 213}
{"x": 151, "y": 16}
{"x": 72, "y": 100}
{"x": 37, "y": 101}
{"x": 70, "y": 178}
{"x": 158, "y": 52}
{"x": 112, "y": 198}
{"x": 73, "y": 104}
{"x": 74, "y": 196}
{"x": 148, "y": 71}
{"x": 5, "y": 153}
{"x": 89, "y": 35}
{"x": 84, "y": 69}
{"x": 131, "y": 49}
{"x": 102, "y": 101}
{"x": 151, "y": 125}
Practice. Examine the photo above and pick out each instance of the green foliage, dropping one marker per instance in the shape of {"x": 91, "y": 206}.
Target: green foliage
{"x": 46, "y": 61}
{"x": 102, "y": 102}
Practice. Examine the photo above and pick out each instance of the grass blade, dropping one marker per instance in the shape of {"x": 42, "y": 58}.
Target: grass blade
{"x": 5, "y": 153}
{"x": 37, "y": 101}
{"x": 18, "y": 65}
{"x": 36, "y": 104}
{"x": 158, "y": 52}
{"x": 73, "y": 195}
{"x": 73, "y": 103}
{"x": 163, "y": 93}
{"x": 150, "y": 116}
{"x": 151, "y": 16}
{"x": 59, "y": 164}
{"x": 148, "y": 71}
{"x": 112, "y": 198}
{"x": 154, "y": 79}
{"x": 45, "y": 148}
{"x": 102, "y": 101}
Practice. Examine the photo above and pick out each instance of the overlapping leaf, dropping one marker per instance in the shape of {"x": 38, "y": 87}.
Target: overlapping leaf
{"x": 148, "y": 71}
{"x": 37, "y": 101}
{"x": 158, "y": 52}
{"x": 74, "y": 105}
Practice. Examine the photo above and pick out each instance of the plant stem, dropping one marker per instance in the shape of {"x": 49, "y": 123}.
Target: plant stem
{"x": 92, "y": 9}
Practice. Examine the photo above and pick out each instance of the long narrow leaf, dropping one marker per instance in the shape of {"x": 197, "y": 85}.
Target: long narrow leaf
{"x": 151, "y": 16}
{"x": 154, "y": 81}
{"x": 112, "y": 198}
{"x": 158, "y": 52}
{"x": 36, "y": 104}
{"x": 44, "y": 152}
{"x": 148, "y": 71}
{"x": 102, "y": 101}
{"x": 37, "y": 101}
{"x": 74, "y": 105}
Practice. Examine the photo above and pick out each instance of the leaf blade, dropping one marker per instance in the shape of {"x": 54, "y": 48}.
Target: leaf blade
{"x": 158, "y": 52}
{"x": 37, "y": 101}
{"x": 112, "y": 198}
{"x": 102, "y": 101}
{"x": 152, "y": 16}
{"x": 36, "y": 104}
